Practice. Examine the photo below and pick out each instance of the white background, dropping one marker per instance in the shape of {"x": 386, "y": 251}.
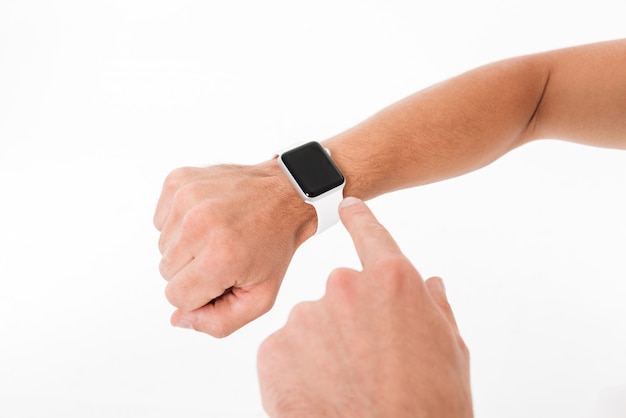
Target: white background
{"x": 100, "y": 100}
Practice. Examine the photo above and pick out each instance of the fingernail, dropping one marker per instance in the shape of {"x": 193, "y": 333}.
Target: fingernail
{"x": 349, "y": 201}
{"x": 184, "y": 324}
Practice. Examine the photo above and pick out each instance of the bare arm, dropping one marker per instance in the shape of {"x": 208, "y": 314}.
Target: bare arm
{"x": 215, "y": 249}
{"x": 467, "y": 122}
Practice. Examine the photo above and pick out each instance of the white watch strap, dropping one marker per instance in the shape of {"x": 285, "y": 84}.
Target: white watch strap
{"x": 327, "y": 209}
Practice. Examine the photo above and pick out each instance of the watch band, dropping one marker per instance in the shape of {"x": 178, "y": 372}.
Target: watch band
{"x": 327, "y": 210}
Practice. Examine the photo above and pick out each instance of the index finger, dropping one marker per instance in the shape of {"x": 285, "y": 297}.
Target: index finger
{"x": 171, "y": 185}
{"x": 370, "y": 238}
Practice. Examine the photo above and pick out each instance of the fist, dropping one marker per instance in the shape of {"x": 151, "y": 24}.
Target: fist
{"x": 228, "y": 234}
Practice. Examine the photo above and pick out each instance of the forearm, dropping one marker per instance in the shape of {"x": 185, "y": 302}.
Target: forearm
{"x": 449, "y": 129}
{"x": 466, "y": 122}
{"x": 469, "y": 121}
{"x": 225, "y": 253}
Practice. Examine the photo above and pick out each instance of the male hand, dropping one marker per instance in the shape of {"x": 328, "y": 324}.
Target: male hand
{"x": 228, "y": 234}
{"x": 380, "y": 343}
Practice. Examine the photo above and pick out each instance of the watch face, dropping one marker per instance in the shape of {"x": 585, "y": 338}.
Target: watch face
{"x": 312, "y": 168}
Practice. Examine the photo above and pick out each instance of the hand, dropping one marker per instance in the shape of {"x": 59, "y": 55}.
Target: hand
{"x": 228, "y": 234}
{"x": 380, "y": 343}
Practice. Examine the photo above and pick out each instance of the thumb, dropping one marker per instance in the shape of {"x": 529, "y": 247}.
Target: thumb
{"x": 229, "y": 312}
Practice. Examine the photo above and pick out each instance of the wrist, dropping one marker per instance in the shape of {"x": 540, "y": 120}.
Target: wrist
{"x": 291, "y": 211}
{"x": 357, "y": 171}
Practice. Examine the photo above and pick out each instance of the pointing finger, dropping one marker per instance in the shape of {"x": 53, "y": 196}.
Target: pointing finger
{"x": 370, "y": 238}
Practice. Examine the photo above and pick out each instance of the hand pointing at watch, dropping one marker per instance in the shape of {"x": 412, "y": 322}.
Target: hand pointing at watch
{"x": 380, "y": 343}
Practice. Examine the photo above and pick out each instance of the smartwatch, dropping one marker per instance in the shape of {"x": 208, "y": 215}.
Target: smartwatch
{"x": 317, "y": 180}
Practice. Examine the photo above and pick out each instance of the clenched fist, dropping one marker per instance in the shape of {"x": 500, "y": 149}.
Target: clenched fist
{"x": 228, "y": 234}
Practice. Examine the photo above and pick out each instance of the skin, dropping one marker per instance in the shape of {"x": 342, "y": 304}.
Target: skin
{"x": 224, "y": 254}
{"x": 380, "y": 343}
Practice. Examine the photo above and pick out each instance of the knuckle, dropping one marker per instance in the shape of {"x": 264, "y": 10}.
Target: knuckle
{"x": 267, "y": 348}
{"x": 370, "y": 231}
{"x": 165, "y": 268}
{"x": 187, "y": 197}
{"x": 172, "y": 294}
{"x": 177, "y": 177}
{"x": 396, "y": 272}
{"x": 340, "y": 282}
{"x": 173, "y": 182}
{"x": 178, "y": 296}
{"x": 300, "y": 315}
{"x": 163, "y": 243}
{"x": 195, "y": 221}
{"x": 372, "y": 228}
{"x": 391, "y": 265}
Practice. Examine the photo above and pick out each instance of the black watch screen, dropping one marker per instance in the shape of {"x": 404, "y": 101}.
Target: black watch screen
{"x": 312, "y": 168}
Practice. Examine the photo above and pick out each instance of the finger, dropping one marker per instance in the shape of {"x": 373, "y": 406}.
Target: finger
{"x": 437, "y": 291}
{"x": 170, "y": 232}
{"x": 370, "y": 238}
{"x": 174, "y": 260}
{"x": 188, "y": 220}
{"x": 195, "y": 285}
{"x": 172, "y": 183}
{"x": 164, "y": 204}
{"x": 229, "y": 312}
{"x": 340, "y": 283}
